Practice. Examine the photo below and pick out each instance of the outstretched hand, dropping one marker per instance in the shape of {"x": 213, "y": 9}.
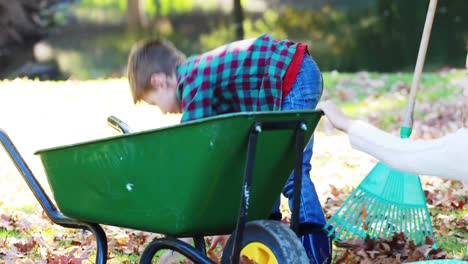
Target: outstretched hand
{"x": 215, "y": 241}
{"x": 218, "y": 240}
{"x": 336, "y": 117}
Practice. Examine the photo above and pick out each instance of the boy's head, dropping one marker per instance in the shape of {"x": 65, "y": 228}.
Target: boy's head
{"x": 151, "y": 73}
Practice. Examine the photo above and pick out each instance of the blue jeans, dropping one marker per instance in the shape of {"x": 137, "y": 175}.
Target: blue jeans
{"x": 305, "y": 94}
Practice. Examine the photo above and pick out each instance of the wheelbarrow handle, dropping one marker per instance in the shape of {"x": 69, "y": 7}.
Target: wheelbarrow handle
{"x": 48, "y": 205}
{"x": 118, "y": 125}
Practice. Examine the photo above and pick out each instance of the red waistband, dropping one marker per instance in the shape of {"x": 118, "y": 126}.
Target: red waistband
{"x": 293, "y": 68}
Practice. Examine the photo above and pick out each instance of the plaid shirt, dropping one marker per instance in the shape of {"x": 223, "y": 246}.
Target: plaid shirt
{"x": 242, "y": 76}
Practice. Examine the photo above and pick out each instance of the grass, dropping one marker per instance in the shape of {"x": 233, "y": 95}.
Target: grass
{"x": 9, "y": 233}
{"x": 452, "y": 245}
{"x": 455, "y": 242}
{"x": 433, "y": 86}
{"x": 27, "y": 209}
{"x": 385, "y": 96}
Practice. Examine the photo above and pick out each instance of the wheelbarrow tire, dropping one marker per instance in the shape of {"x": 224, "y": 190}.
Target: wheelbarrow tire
{"x": 268, "y": 242}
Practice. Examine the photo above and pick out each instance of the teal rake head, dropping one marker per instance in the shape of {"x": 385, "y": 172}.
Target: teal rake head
{"x": 386, "y": 202}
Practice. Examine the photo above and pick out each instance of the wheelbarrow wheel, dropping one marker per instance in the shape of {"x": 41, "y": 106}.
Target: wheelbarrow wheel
{"x": 268, "y": 242}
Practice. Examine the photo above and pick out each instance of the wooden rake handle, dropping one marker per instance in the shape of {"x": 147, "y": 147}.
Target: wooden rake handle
{"x": 408, "y": 123}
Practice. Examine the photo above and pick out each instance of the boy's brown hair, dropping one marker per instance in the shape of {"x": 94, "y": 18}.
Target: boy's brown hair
{"x": 147, "y": 58}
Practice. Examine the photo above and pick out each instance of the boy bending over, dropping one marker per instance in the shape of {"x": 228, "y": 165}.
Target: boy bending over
{"x": 261, "y": 74}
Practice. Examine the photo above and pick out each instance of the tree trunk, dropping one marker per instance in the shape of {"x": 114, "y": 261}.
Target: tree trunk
{"x": 135, "y": 17}
{"x": 238, "y": 19}
{"x": 16, "y": 23}
{"x": 22, "y": 24}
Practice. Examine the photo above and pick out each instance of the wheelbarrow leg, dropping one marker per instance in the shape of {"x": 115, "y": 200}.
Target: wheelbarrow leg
{"x": 199, "y": 242}
{"x": 48, "y": 206}
{"x": 245, "y": 195}
{"x": 297, "y": 185}
{"x": 299, "y": 127}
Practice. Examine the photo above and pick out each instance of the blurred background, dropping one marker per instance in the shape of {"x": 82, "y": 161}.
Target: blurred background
{"x": 90, "y": 39}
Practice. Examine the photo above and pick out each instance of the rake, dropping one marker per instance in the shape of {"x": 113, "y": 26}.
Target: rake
{"x": 388, "y": 201}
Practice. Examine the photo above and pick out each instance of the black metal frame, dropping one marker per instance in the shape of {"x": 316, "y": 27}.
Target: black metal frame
{"x": 195, "y": 253}
{"x": 258, "y": 127}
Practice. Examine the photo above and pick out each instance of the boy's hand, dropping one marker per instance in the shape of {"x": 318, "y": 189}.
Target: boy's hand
{"x": 215, "y": 241}
{"x": 336, "y": 117}
{"x": 218, "y": 240}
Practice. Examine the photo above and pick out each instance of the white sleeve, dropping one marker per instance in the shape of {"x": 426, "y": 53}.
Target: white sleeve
{"x": 444, "y": 157}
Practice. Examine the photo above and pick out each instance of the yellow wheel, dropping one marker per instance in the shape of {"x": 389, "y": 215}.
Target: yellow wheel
{"x": 268, "y": 242}
{"x": 259, "y": 253}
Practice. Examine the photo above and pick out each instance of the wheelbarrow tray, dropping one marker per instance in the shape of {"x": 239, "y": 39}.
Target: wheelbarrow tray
{"x": 182, "y": 180}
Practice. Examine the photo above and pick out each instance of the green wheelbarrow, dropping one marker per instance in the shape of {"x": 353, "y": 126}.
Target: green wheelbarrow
{"x": 219, "y": 175}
